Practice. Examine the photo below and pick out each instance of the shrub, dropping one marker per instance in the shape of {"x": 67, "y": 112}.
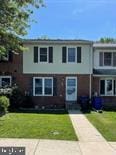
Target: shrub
{"x": 17, "y": 98}
{"x": 4, "y": 104}
{"x": 28, "y": 103}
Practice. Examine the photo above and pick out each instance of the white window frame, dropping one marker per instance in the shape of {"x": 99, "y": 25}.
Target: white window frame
{"x": 1, "y": 77}
{"x": 106, "y": 86}
{"x": 43, "y": 86}
{"x": 39, "y": 55}
{"x": 75, "y": 54}
{"x": 111, "y": 58}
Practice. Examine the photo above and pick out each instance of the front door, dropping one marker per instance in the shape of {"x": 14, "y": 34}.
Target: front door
{"x": 71, "y": 88}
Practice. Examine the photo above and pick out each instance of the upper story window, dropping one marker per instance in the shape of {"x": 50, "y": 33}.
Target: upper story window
{"x": 71, "y": 55}
{"x": 5, "y": 81}
{"x": 107, "y": 59}
{"x": 43, "y": 54}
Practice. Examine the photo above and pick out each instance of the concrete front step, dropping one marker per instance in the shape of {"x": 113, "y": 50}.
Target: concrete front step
{"x": 72, "y": 106}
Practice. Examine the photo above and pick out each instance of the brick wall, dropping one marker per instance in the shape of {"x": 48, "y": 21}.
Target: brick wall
{"x": 25, "y": 82}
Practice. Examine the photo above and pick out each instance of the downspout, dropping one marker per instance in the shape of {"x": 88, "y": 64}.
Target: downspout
{"x": 91, "y": 71}
{"x": 90, "y": 86}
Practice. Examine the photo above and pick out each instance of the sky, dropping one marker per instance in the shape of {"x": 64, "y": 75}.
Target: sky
{"x": 74, "y": 19}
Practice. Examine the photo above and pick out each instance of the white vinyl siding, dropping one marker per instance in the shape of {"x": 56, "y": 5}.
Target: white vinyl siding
{"x": 57, "y": 67}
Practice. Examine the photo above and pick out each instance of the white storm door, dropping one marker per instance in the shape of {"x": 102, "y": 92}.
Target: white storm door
{"x": 71, "y": 88}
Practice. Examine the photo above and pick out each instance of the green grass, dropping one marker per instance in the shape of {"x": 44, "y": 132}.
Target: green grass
{"x": 37, "y": 125}
{"x": 105, "y": 123}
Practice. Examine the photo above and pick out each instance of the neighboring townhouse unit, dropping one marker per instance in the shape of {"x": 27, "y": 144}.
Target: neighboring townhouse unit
{"x": 104, "y": 72}
{"x": 53, "y": 72}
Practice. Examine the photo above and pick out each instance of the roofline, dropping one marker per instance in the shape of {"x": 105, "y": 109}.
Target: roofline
{"x": 104, "y": 45}
{"x": 56, "y": 41}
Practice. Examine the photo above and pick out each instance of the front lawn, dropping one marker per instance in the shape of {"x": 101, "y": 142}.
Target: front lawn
{"x": 105, "y": 123}
{"x": 37, "y": 125}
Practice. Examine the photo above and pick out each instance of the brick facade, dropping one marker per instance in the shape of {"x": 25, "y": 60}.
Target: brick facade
{"x": 25, "y": 82}
{"x": 59, "y": 100}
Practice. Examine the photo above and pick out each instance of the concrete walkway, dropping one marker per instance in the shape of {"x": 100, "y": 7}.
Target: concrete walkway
{"x": 91, "y": 141}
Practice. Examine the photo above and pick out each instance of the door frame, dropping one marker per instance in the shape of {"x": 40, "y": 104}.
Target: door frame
{"x": 70, "y": 77}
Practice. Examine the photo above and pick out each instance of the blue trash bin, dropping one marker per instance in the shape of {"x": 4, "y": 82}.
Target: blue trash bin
{"x": 84, "y": 101}
{"x": 97, "y": 103}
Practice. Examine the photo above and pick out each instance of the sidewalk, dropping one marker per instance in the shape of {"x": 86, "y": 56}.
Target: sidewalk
{"x": 91, "y": 141}
{"x": 59, "y": 147}
{"x": 44, "y": 147}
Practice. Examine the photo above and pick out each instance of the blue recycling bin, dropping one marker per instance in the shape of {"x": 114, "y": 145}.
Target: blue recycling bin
{"x": 97, "y": 103}
{"x": 84, "y": 102}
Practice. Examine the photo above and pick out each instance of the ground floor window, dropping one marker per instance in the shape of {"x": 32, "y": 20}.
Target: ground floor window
{"x": 5, "y": 81}
{"x": 43, "y": 86}
{"x": 108, "y": 86}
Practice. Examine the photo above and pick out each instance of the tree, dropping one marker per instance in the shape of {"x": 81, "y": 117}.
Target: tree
{"x": 107, "y": 40}
{"x": 14, "y": 21}
{"x": 44, "y": 37}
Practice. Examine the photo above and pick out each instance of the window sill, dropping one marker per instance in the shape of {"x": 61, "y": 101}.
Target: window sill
{"x": 43, "y": 62}
{"x": 72, "y": 63}
{"x": 43, "y": 95}
{"x": 105, "y": 67}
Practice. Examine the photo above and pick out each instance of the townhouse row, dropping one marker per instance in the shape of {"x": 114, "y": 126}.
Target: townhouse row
{"x": 58, "y": 72}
